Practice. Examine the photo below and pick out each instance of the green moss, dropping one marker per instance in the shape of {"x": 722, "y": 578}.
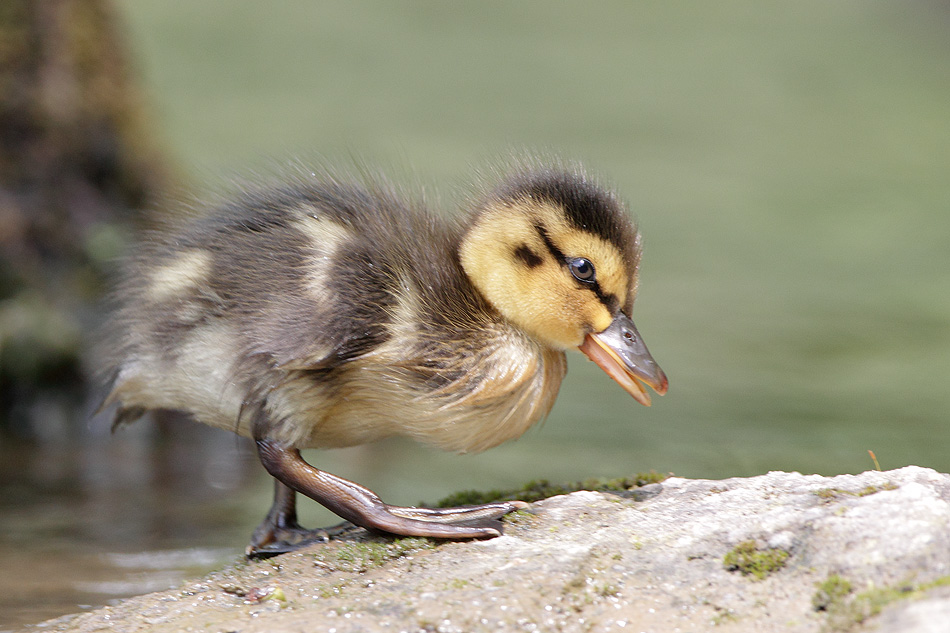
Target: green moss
{"x": 519, "y": 518}
{"x": 830, "y": 593}
{"x": 363, "y": 556}
{"x": 746, "y": 557}
{"x": 846, "y": 609}
{"x": 835, "y": 493}
{"x": 542, "y": 489}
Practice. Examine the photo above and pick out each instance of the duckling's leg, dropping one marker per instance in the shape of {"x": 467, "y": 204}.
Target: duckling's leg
{"x": 280, "y": 533}
{"x": 280, "y": 525}
{"x": 363, "y": 507}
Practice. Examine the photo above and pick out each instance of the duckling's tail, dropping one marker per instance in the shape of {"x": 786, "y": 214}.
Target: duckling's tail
{"x": 123, "y": 415}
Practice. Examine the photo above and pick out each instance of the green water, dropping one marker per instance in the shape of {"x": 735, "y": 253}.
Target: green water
{"x": 789, "y": 164}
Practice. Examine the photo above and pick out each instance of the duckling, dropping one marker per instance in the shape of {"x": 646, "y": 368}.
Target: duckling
{"x": 326, "y": 313}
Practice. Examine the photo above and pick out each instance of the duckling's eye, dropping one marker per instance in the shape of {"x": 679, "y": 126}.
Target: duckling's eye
{"x": 582, "y": 269}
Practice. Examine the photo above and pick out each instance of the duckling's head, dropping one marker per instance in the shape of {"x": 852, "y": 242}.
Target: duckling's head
{"x": 557, "y": 255}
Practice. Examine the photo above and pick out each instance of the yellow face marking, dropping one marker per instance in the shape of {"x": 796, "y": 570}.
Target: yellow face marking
{"x": 542, "y": 297}
{"x": 187, "y": 271}
{"x": 608, "y": 261}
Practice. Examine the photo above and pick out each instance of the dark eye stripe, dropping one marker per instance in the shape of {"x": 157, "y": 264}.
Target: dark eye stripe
{"x": 548, "y": 244}
{"x": 609, "y": 299}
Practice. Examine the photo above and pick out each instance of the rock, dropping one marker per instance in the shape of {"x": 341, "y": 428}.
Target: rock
{"x": 780, "y": 552}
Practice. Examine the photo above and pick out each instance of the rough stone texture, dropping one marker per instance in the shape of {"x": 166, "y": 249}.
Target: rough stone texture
{"x": 648, "y": 560}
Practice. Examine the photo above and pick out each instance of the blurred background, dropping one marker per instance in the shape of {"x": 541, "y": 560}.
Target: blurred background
{"x": 789, "y": 164}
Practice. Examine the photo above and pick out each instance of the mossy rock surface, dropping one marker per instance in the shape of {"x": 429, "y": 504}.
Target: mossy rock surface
{"x": 759, "y": 555}
{"x": 544, "y": 489}
{"x": 751, "y": 560}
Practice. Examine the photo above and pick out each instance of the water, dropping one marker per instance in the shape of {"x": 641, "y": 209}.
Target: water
{"x": 789, "y": 165}
{"x": 97, "y": 518}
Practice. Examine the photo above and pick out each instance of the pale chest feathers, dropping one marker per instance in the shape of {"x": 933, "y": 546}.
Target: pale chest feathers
{"x": 469, "y": 402}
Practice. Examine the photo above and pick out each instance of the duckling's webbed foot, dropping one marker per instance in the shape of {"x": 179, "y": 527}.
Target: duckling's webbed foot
{"x": 280, "y": 533}
{"x": 363, "y": 507}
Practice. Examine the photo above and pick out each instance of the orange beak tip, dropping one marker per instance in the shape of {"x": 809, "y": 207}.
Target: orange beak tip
{"x": 643, "y": 398}
{"x": 607, "y": 360}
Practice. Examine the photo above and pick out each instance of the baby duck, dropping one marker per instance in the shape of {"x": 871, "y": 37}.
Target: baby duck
{"x": 324, "y": 313}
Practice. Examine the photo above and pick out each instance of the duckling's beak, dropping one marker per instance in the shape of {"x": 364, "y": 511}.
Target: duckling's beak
{"x": 621, "y": 353}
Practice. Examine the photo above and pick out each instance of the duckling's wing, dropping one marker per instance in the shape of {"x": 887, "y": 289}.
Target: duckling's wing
{"x": 308, "y": 290}
{"x": 349, "y": 261}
